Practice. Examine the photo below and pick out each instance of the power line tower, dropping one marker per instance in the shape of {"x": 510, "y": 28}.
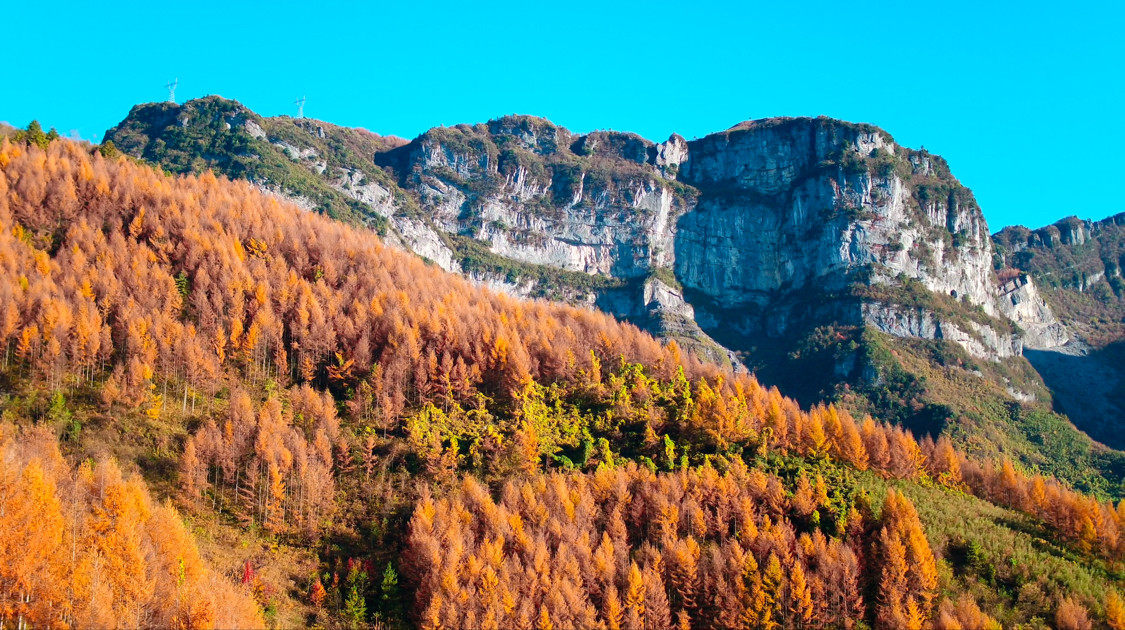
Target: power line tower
{"x": 300, "y": 103}
{"x": 172, "y": 90}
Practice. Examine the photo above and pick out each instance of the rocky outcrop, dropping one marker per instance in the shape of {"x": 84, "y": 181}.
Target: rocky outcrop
{"x": 532, "y": 193}
{"x": 792, "y": 212}
{"x": 1068, "y": 231}
{"x": 1019, "y": 301}
{"x": 536, "y": 193}
{"x": 670, "y": 154}
{"x": 802, "y": 203}
{"x": 977, "y": 339}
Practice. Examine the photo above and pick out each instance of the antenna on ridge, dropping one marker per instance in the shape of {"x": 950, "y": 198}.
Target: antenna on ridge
{"x": 172, "y": 90}
{"x": 300, "y": 103}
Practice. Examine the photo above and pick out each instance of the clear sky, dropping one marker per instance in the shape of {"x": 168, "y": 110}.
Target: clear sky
{"x": 1024, "y": 99}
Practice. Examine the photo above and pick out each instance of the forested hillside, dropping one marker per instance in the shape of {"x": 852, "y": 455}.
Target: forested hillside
{"x": 351, "y": 436}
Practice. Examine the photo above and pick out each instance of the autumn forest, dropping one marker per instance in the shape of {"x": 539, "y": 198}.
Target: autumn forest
{"x": 219, "y": 410}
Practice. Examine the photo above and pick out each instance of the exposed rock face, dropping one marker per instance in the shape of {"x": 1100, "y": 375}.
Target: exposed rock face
{"x": 977, "y": 339}
{"x": 797, "y": 206}
{"x": 416, "y": 236}
{"x": 1068, "y": 231}
{"x": 602, "y": 204}
{"x": 1076, "y": 265}
{"x": 1103, "y": 259}
{"x": 780, "y": 210}
{"x": 517, "y": 185}
{"x": 1077, "y": 268}
{"x": 791, "y": 212}
{"x": 1020, "y": 302}
{"x": 671, "y": 154}
{"x": 766, "y": 225}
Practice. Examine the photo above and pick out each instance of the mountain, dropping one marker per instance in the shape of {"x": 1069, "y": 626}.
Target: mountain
{"x": 1078, "y": 265}
{"x": 797, "y": 211}
{"x": 820, "y": 254}
{"x": 760, "y": 229}
{"x": 353, "y": 436}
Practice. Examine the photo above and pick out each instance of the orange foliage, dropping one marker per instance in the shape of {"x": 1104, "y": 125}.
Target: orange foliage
{"x": 87, "y": 548}
{"x": 1072, "y": 615}
{"x": 909, "y": 581}
{"x": 700, "y": 567}
{"x": 964, "y": 614}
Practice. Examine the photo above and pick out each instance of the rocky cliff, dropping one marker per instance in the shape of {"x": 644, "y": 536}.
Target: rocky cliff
{"x": 798, "y": 219}
{"x": 756, "y": 230}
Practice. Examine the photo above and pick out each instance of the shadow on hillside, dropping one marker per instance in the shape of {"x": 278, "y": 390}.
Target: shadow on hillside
{"x": 1088, "y": 388}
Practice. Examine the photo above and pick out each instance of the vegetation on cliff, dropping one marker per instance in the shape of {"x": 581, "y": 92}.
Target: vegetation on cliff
{"x": 1078, "y": 266}
{"x": 286, "y": 155}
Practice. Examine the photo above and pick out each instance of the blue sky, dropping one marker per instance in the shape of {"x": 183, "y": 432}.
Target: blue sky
{"x": 1024, "y": 99}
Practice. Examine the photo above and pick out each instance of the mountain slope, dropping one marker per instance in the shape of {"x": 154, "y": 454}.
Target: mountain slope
{"x": 779, "y": 206}
{"x": 1078, "y": 265}
{"x": 326, "y": 409}
{"x": 786, "y": 245}
{"x": 215, "y": 133}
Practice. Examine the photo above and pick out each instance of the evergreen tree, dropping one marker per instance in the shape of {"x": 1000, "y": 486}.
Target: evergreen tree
{"x": 389, "y": 596}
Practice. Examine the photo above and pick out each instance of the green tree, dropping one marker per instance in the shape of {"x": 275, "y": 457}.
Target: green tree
{"x": 669, "y": 461}
{"x": 183, "y": 285}
{"x": 34, "y": 135}
{"x": 605, "y": 453}
{"x": 587, "y": 448}
{"x": 59, "y": 415}
{"x": 389, "y": 596}
{"x": 355, "y": 604}
{"x": 109, "y": 150}
{"x": 355, "y": 607}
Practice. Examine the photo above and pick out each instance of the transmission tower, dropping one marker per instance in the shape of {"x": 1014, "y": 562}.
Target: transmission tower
{"x": 300, "y": 103}
{"x": 172, "y": 90}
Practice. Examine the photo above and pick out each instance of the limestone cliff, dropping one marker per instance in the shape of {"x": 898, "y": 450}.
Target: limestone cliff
{"x": 1076, "y": 265}
{"x": 601, "y": 209}
{"x": 770, "y": 225}
{"x": 794, "y": 215}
